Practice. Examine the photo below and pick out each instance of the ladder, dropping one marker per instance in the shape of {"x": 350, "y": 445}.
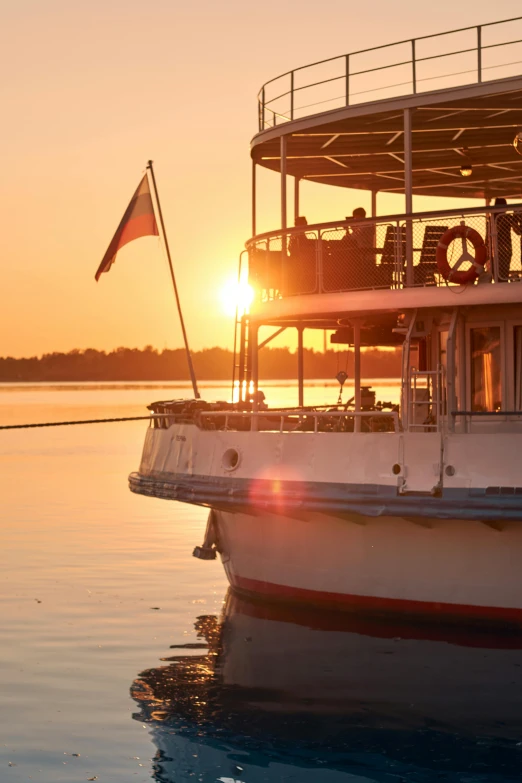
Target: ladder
{"x": 241, "y": 370}
{"x": 426, "y": 400}
{"x": 241, "y": 367}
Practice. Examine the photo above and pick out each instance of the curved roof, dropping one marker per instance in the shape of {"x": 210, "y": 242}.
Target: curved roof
{"x": 362, "y": 146}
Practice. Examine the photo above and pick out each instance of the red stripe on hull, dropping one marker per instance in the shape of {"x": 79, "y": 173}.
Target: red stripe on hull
{"x": 372, "y": 603}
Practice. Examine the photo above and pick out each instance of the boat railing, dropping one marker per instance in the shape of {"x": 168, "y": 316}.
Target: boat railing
{"x": 468, "y": 55}
{"x": 501, "y": 420}
{"x": 392, "y": 252}
{"x": 289, "y": 420}
{"x": 427, "y": 400}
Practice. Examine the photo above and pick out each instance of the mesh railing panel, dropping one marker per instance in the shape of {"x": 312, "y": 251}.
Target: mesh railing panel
{"x": 360, "y": 256}
{"x": 506, "y": 245}
{"x": 368, "y": 255}
{"x": 273, "y": 274}
{"x": 301, "y": 263}
{"x": 426, "y": 234}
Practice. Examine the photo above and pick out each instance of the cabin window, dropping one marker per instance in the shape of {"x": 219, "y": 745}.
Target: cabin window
{"x": 517, "y": 344}
{"x": 485, "y": 368}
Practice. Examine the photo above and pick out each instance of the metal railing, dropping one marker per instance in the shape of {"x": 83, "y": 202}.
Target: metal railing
{"x": 286, "y": 420}
{"x": 296, "y": 421}
{"x": 372, "y": 253}
{"x": 467, "y": 55}
{"x": 427, "y": 400}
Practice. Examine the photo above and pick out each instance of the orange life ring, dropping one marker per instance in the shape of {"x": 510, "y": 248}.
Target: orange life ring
{"x": 453, "y": 274}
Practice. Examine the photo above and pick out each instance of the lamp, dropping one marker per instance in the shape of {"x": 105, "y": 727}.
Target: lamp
{"x": 517, "y": 142}
{"x": 466, "y": 170}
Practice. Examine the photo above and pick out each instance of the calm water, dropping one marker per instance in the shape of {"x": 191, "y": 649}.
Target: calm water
{"x": 100, "y": 596}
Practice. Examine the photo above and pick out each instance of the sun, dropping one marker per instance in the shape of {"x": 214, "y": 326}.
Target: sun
{"x": 236, "y": 295}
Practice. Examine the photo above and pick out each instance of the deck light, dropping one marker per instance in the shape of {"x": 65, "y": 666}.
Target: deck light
{"x": 517, "y": 142}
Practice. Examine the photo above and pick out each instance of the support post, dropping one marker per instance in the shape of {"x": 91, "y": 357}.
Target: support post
{"x": 460, "y": 363}
{"x": 413, "y": 66}
{"x": 253, "y": 335}
{"x": 248, "y": 351}
{"x": 357, "y": 372}
{"x": 374, "y": 203}
{"x": 254, "y": 198}
{"x": 408, "y": 192}
{"x": 479, "y": 53}
{"x": 451, "y": 371}
{"x": 300, "y": 365}
{"x": 283, "y": 212}
{"x": 241, "y": 373}
{"x": 283, "y": 183}
{"x": 297, "y": 181}
{"x": 374, "y": 215}
{"x": 178, "y": 303}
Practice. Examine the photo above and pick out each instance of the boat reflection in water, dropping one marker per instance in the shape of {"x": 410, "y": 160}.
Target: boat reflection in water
{"x": 287, "y": 695}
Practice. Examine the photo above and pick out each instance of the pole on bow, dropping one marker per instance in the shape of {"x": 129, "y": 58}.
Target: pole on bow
{"x": 178, "y": 303}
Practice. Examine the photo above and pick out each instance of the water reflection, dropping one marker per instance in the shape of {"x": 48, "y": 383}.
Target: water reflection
{"x": 287, "y": 695}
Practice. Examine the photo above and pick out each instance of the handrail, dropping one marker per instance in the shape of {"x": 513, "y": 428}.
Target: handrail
{"x": 479, "y": 48}
{"x": 432, "y": 215}
{"x": 301, "y": 414}
{"x": 486, "y": 413}
{"x": 350, "y": 255}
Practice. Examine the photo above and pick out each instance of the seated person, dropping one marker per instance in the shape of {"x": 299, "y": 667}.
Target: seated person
{"x": 302, "y": 271}
{"x": 298, "y": 240}
{"x": 505, "y": 224}
{"x": 363, "y": 235}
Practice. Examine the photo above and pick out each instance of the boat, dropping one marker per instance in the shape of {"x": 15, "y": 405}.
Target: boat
{"x": 286, "y": 693}
{"x": 413, "y": 507}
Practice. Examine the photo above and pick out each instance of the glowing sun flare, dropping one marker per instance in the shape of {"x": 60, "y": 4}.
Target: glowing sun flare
{"x": 238, "y": 295}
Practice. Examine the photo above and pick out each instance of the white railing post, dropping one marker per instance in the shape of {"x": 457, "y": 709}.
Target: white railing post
{"x": 479, "y": 53}
{"x": 408, "y": 191}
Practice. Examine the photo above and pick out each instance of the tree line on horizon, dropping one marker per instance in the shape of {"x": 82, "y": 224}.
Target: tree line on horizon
{"x": 211, "y": 364}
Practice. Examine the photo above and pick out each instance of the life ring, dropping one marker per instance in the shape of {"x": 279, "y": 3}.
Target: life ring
{"x": 453, "y": 274}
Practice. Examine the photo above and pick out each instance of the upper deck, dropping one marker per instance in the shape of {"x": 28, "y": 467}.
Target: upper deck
{"x": 358, "y": 266}
{"x": 439, "y": 115}
{"x": 414, "y": 66}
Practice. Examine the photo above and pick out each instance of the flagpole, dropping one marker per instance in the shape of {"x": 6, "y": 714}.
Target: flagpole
{"x": 165, "y": 241}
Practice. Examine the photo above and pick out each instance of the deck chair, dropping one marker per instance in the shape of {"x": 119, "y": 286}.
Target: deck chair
{"x": 386, "y": 268}
{"x": 424, "y": 272}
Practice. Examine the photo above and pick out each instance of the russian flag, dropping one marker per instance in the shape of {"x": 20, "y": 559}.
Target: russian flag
{"x": 138, "y": 221}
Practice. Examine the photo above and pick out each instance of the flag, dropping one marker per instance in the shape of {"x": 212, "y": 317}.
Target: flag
{"x": 138, "y": 221}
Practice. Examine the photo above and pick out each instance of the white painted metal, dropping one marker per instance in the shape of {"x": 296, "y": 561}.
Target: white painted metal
{"x": 462, "y": 563}
{"x": 283, "y": 183}
{"x": 408, "y": 192}
{"x": 453, "y": 94}
{"x": 360, "y": 302}
{"x": 304, "y": 506}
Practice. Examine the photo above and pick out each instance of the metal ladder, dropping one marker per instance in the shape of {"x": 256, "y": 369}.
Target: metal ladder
{"x": 427, "y": 389}
{"x": 241, "y": 370}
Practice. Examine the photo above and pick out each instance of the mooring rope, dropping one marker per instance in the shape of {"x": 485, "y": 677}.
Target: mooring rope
{"x": 70, "y": 423}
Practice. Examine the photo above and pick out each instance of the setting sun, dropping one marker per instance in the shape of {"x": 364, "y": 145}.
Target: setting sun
{"x": 236, "y": 294}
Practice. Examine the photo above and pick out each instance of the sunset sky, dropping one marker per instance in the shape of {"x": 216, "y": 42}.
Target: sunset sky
{"x": 92, "y": 90}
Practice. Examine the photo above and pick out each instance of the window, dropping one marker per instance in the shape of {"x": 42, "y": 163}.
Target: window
{"x": 485, "y": 369}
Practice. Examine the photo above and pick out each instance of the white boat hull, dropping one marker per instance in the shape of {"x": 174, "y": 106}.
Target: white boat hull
{"x": 377, "y": 521}
{"x": 452, "y": 567}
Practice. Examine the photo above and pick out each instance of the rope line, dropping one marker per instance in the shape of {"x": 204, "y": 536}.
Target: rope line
{"x": 70, "y": 423}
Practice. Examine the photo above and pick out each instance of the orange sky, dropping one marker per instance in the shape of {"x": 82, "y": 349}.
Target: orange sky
{"x": 91, "y": 90}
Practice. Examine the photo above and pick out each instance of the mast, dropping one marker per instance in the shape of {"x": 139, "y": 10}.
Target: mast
{"x": 178, "y": 303}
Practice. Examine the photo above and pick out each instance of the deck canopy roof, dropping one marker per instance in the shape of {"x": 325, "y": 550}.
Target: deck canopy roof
{"x": 362, "y": 146}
